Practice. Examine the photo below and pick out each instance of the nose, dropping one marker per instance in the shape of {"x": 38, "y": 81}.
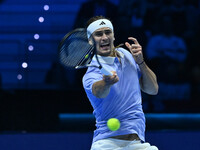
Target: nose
{"x": 104, "y": 36}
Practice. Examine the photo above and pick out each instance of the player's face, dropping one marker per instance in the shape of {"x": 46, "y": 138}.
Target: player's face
{"x": 104, "y": 38}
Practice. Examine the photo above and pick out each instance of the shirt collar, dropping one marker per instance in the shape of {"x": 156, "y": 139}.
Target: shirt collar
{"x": 108, "y": 60}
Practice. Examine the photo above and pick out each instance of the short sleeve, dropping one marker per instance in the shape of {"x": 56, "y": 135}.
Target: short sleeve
{"x": 92, "y": 75}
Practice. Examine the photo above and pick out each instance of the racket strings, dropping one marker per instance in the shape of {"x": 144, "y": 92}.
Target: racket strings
{"x": 86, "y": 49}
{"x": 74, "y": 49}
{"x": 73, "y": 58}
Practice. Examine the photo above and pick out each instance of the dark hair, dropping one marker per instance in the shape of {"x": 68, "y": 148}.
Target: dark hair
{"x": 91, "y": 20}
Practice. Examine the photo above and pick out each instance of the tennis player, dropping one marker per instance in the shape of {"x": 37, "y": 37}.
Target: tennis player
{"x": 118, "y": 96}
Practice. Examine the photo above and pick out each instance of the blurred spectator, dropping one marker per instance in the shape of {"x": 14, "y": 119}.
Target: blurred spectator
{"x": 166, "y": 44}
{"x": 151, "y": 16}
{"x": 95, "y": 8}
{"x": 63, "y": 78}
{"x": 130, "y": 21}
{"x": 192, "y": 17}
{"x": 56, "y": 76}
{"x": 167, "y": 53}
{"x": 194, "y": 54}
{"x": 177, "y": 10}
{"x": 134, "y": 10}
{"x": 192, "y": 34}
{"x": 178, "y": 13}
{"x": 196, "y": 82}
{"x": 195, "y": 88}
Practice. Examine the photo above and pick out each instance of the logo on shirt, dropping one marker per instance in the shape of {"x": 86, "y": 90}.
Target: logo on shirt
{"x": 102, "y": 23}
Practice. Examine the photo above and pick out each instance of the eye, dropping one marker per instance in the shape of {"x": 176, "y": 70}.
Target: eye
{"x": 100, "y": 33}
{"x": 107, "y": 32}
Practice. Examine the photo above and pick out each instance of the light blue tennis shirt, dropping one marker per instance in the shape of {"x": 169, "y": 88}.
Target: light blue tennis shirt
{"x": 124, "y": 100}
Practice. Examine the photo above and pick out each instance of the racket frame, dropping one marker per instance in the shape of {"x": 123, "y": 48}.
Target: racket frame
{"x": 84, "y": 63}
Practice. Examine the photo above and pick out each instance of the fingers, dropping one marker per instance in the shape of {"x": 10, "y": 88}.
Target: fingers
{"x": 134, "y": 40}
{"x": 135, "y": 49}
{"x": 128, "y": 45}
{"x": 136, "y": 46}
{"x": 111, "y": 79}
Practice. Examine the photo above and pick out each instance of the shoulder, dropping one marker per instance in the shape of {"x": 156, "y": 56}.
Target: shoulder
{"x": 127, "y": 55}
{"x": 123, "y": 51}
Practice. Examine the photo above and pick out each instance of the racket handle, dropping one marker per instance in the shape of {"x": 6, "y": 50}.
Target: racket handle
{"x": 106, "y": 72}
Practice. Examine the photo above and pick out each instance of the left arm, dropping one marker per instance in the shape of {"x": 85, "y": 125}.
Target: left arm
{"x": 148, "y": 80}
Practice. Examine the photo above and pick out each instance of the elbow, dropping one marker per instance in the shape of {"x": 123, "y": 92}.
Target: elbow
{"x": 154, "y": 93}
{"x": 155, "y": 90}
{"x": 100, "y": 94}
{"x": 152, "y": 90}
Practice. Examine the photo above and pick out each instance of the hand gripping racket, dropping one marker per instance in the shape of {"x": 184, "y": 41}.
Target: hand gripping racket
{"x": 76, "y": 52}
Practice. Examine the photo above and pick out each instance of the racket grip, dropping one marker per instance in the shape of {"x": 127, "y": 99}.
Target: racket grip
{"x": 106, "y": 72}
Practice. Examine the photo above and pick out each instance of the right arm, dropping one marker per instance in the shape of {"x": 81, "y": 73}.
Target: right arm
{"x": 101, "y": 88}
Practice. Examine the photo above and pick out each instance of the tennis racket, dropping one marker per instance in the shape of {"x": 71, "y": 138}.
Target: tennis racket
{"x": 75, "y": 52}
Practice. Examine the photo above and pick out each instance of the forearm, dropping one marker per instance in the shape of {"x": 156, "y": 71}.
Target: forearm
{"x": 148, "y": 81}
{"x": 101, "y": 89}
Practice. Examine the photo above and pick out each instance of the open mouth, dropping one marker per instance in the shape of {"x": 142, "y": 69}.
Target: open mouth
{"x": 105, "y": 46}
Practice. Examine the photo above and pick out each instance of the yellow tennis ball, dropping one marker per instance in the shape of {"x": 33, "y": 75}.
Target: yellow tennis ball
{"x": 113, "y": 124}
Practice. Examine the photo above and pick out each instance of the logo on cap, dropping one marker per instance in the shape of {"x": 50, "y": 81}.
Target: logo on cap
{"x": 102, "y": 23}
